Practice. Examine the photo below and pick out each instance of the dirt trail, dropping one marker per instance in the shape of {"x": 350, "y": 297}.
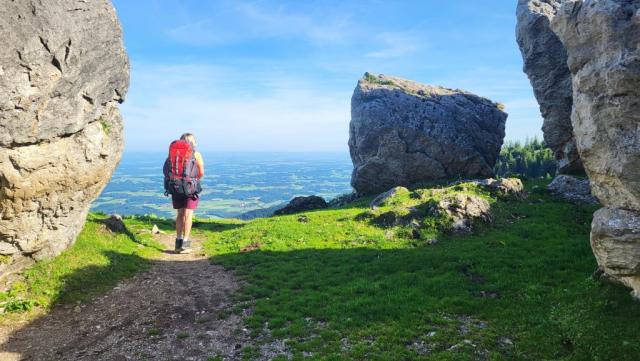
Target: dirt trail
{"x": 178, "y": 310}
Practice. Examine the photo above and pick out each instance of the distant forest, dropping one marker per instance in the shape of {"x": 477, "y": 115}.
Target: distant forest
{"x": 533, "y": 159}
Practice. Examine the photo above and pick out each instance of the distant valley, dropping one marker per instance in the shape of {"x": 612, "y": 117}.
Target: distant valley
{"x": 236, "y": 185}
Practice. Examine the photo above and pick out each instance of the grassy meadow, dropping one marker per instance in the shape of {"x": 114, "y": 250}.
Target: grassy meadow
{"x": 339, "y": 284}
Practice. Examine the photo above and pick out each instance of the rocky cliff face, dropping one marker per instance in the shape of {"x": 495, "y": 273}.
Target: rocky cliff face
{"x": 601, "y": 38}
{"x": 403, "y": 132}
{"x": 63, "y": 71}
{"x": 545, "y": 62}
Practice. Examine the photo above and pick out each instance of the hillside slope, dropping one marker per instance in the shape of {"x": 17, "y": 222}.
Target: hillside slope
{"x": 388, "y": 284}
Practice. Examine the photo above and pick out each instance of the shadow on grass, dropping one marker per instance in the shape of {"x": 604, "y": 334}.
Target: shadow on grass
{"x": 543, "y": 302}
{"x": 215, "y": 226}
{"x": 86, "y": 282}
{"x": 394, "y": 297}
{"x": 117, "y": 228}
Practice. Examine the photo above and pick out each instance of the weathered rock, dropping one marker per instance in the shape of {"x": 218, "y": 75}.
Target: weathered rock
{"x": 545, "y": 62}
{"x": 572, "y": 189}
{"x": 382, "y": 199}
{"x": 302, "y": 204}
{"x": 504, "y": 187}
{"x": 463, "y": 210}
{"x": 403, "y": 132}
{"x": 63, "y": 71}
{"x": 615, "y": 240}
{"x": 601, "y": 38}
{"x": 343, "y": 199}
{"x": 116, "y": 224}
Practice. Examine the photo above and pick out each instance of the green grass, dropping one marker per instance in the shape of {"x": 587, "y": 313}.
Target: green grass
{"x": 376, "y": 80}
{"x": 94, "y": 264}
{"x": 349, "y": 285}
{"x": 343, "y": 287}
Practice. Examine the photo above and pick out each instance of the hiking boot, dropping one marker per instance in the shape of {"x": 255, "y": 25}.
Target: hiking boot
{"x": 178, "y": 247}
{"x": 185, "y": 247}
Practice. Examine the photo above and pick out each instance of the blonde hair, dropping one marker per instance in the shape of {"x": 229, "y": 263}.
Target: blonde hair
{"x": 189, "y": 138}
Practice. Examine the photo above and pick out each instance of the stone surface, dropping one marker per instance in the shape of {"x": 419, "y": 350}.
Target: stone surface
{"x": 615, "y": 240}
{"x": 382, "y": 199}
{"x": 545, "y": 62}
{"x": 63, "y": 71}
{"x": 463, "y": 210}
{"x": 343, "y": 200}
{"x": 116, "y": 224}
{"x": 505, "y": 187}
{"x": 572, "y": 189}
{"x": 302, "y": 204}
{"x": 403, "y": 132}
{"x": 601, "y": 38}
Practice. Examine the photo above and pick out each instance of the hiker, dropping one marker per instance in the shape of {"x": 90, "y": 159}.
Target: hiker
{"x": 183, "y": 170}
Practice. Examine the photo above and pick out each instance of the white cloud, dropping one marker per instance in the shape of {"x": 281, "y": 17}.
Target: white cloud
{"x": 396, "y": 44}
{"x": 247, "y": 21}
{"x": 280, "y": 114}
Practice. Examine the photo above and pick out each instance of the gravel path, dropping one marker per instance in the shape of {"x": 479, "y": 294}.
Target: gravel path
{"x": 178, "y": 310}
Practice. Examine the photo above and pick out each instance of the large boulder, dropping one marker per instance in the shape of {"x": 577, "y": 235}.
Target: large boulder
{"x": 545, "y": 62}
{"x": 403, "y": 132}
{"x": 63, "y": 72}
{"x": 302, "y": 204}
{"x": 601, "y": 38}
{"x": 615, "y": 240}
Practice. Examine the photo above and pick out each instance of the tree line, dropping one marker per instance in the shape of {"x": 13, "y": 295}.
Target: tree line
{"x": 531, "y": 159}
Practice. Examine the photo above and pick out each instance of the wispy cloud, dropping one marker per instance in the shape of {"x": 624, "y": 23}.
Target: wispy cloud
{"x": 247, "y": 21}
{"x": 396, "y": 44}
{"x": 175, "y": 99}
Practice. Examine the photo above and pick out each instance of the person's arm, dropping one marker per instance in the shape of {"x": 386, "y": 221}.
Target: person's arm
{"x": 199, "y": 164}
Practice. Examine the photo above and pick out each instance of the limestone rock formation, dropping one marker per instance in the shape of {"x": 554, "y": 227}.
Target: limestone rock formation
{"x": 572, "y": 189}
{"x": 63, "y": 71}
{"x": 601, "y": 38}
{"x": 615, "y": 240}
{"x": 403, "y": 132}
{"x": 463, "y": 210}
{"x": 504, "y": 187}
{"x": 302, "y": 204}
{"x": 545, "y": 62}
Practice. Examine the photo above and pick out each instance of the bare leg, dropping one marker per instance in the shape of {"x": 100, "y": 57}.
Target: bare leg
{"x": 188, "y": 221}
{"x": 180, "y": 223}
{"x": 179, "y": 229}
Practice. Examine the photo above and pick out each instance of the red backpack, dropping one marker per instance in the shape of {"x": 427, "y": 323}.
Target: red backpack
{"x": 181, "y": 171}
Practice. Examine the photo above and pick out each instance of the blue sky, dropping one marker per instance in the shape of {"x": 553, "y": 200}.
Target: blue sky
{"x": 278, "y": 75}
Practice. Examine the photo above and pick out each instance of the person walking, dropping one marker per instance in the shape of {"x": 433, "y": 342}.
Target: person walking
{"x": 183, "y": 170}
